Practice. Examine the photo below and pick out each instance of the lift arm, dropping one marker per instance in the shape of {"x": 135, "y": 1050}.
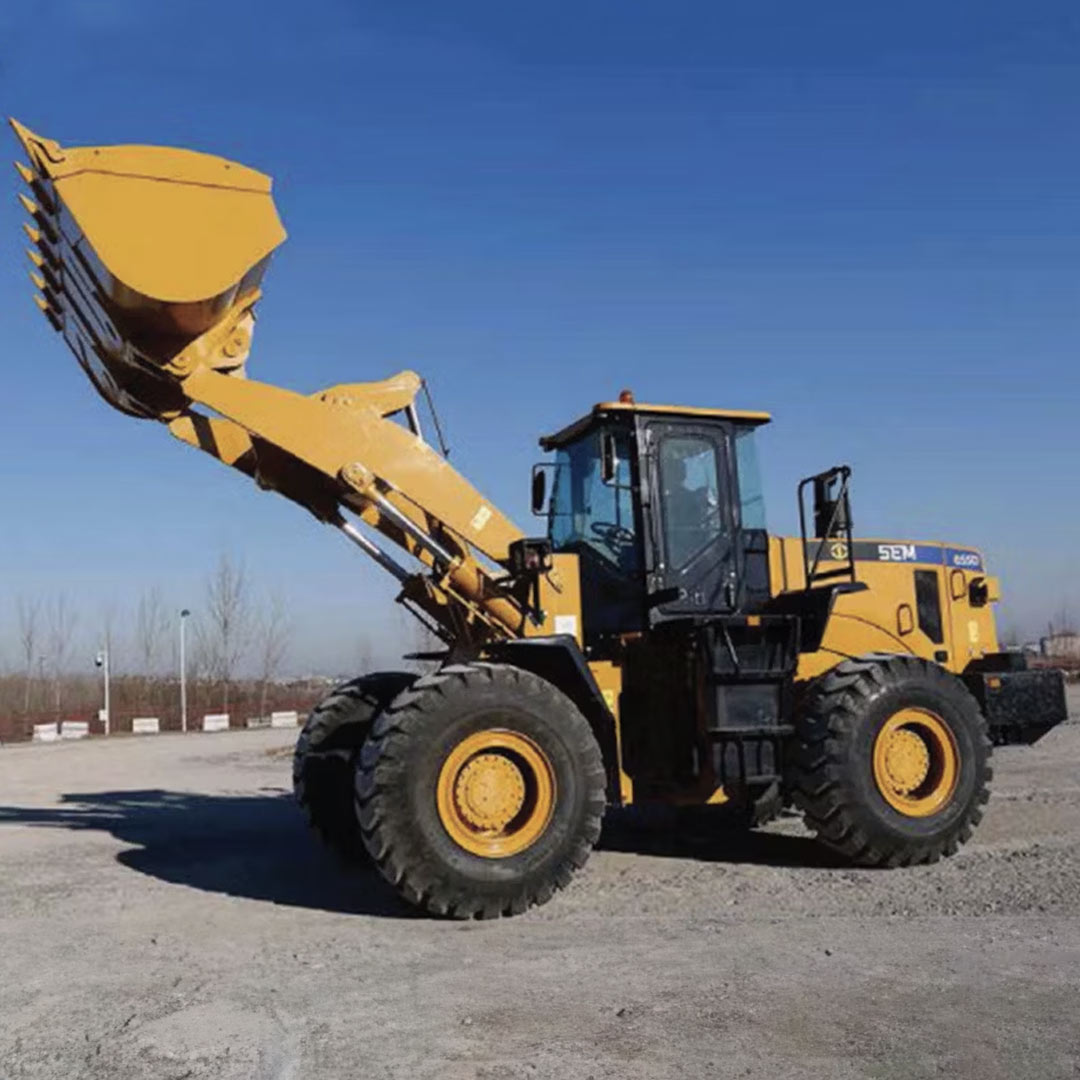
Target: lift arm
{"x": 148, "y": 261}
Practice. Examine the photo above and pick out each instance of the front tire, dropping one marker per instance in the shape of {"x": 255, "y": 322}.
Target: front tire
{"x": 892, "y": 763}
{"x": 480, "y": 791}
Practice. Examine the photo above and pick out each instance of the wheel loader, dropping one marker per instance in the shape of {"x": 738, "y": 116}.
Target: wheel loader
{"x": 657, "y": 645}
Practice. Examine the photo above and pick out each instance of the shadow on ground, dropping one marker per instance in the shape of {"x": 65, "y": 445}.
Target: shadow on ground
{"x": 257, "y": 846}
{"x": 709, "y": 838}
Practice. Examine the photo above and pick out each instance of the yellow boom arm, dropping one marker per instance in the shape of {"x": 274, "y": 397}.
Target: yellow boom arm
{"x": 148, "y": 261}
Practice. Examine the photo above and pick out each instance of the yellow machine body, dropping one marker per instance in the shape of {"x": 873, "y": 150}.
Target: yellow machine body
{"x": 885, "y": 617}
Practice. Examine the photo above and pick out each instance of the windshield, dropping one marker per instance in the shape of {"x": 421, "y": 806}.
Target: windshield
{"x": 586, "y": 511}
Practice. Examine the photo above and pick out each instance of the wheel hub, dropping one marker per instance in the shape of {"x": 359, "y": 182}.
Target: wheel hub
{"x": 907, "y": 760}
{"x": 916, "y": 762}
{"x": 495, "y": 793}
{"x": 490, "y": 791}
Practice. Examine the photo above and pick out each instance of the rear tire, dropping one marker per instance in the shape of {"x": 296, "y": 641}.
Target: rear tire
{"x": 909, "y": 808}
{"x": 325, "y": 757}
{"x": 488, "y": 747}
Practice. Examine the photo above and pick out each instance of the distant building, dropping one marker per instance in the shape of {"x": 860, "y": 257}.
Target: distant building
{"x": 1063, "y": 646}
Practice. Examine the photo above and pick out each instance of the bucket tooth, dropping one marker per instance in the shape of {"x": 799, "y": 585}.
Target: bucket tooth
{"x": 39, "y": 282}
{"x": 41, "y": 218}
{"x": 48, "y": 253}
{"x": 42, "y": 236}
{"x": 45, "y": 308}
{"x": 34, "y": 182}
{"x": 45, "y": 252}
{"x": 44, "y": 225}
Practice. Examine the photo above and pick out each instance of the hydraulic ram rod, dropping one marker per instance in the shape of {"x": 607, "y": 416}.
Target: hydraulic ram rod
{"x": 373, "y": 549}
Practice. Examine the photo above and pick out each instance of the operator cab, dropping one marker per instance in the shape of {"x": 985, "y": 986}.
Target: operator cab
{"x": 664, "y": 508}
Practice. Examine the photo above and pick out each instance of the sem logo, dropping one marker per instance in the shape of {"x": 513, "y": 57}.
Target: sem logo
{"x": 896, "y": 552}
{"x": 838, "y": 551}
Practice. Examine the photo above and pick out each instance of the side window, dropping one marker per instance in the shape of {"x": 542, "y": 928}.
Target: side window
{"x": 690, "y": 490}
{"x": 751, "y": 497}
{"x": 928, "y": 605}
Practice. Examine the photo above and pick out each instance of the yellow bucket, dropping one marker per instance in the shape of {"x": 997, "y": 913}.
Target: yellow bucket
{"x": 142, "y": 247}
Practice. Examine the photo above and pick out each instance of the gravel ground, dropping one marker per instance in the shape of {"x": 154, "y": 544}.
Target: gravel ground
{"x": 164, "y": 913}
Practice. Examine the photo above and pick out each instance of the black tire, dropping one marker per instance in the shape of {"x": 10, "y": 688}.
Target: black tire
{"x": 325, "y": 757}
{"x": 397, "y": 779}
{"x": 833, "y": 776}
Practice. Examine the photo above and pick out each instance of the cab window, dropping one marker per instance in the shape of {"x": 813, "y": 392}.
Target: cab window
{"x": 690, "y": 487}
{"x": 751, "y": 494}
{"x": 587, "y": 512}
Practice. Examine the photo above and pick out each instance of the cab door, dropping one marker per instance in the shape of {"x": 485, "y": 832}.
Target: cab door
{"x": 694, "y": 555}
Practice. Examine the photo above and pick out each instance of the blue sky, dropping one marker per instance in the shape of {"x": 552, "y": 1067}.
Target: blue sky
{"x": 863, "y": 217}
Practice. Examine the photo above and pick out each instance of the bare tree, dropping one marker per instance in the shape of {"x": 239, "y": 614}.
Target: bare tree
{"x": 227, "y": 629}
{"x": 61, "y": 621}
{"x": 151, "y": 626}
{"x": 28, "y": 613}
{"x": 272, "y": 631}
{"x": 1063, "y": 622}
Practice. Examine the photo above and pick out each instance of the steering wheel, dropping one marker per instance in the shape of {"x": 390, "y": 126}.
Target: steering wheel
{"x": 613, "y": 535}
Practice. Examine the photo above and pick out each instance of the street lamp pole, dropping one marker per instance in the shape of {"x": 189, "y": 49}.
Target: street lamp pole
{"x": 183, "y": 672}
{"x": 103, "y": 663}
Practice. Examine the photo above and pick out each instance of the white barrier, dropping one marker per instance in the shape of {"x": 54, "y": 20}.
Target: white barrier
{"x": 45, "y": 733}
{"x": 288, "y": 719}
{"x": 74, "y": 729}
{"x": 215, "y": 722}
{"x": 145, "y": 725}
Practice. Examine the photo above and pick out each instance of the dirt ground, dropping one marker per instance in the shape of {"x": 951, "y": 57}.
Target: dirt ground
{"x": 164, "y": 913}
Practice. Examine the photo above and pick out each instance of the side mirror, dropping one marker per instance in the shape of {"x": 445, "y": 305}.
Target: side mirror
{"x": 609, "y": 457}
{"x": 831, "y": 507}
{"x": 539, "y": 489}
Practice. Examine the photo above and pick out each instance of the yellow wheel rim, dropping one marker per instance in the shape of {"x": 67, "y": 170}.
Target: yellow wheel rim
{"x": 916, "y": 762}
{"x": 496, "y": 793}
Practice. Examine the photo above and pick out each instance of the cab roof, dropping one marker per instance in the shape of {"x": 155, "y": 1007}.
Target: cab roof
{"x": 579, "y": 427}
